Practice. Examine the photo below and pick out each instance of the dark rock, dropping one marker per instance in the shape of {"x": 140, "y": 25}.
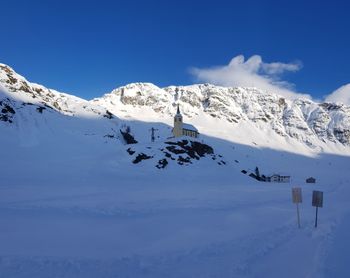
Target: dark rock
{"x": 201, "y": 149}
{"x": 108, "y": 115}
{"x": 184, "y": 160}
{"x": 253, "y": 176}
{"x": 8, "y": 109}
{"x": 175, "y": 150}
{"x": 109, "y": 136}
{"x": 168, "y": 155}
{"x": 331, "y": 106}
{"x": 194, "y": 150}
{"x": 4, "y": 118}
{"x": 129, "y": 139}
{"x": 162, "y": 163}
{"x": 40, "y": 109}
{"x": 130, "y": 151}
{"x": 140, "y": 157}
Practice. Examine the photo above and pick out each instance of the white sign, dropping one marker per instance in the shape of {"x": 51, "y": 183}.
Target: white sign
{"x": 296, "y": 195}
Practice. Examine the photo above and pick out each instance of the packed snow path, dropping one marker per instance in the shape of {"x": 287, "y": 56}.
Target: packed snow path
{"x": 167, "y": 231}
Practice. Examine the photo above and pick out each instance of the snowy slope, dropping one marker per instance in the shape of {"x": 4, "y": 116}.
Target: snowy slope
{"x": 73, "y": 203}
{"x": 314, "y": 124}
{"x": 39, "y": 115}
{"x": 16, "y": 87}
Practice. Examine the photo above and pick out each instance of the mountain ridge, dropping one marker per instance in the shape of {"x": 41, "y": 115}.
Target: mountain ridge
{"x": 313, "y": 124}
{"x": 302, "y": 119}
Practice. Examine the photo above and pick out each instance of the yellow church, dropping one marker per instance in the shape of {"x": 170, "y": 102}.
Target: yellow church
{"x": 182, "y": 129}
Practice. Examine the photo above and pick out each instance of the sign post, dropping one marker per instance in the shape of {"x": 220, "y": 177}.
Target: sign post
{"x": 317, "y": 201}
{"x": 297, "y": 198}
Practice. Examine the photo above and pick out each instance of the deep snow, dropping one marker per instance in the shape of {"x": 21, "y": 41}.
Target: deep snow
{"x": 72, "y": 203}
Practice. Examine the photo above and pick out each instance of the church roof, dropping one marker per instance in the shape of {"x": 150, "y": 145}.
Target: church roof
{"x": 178, "y": 113}
{"x": 189, "y": 127}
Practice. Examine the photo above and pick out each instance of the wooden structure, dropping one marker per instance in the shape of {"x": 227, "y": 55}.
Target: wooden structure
{"x": 278, "y": 178}
{"x": 311, "y": 180}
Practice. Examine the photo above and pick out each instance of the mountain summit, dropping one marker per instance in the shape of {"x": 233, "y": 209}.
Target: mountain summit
{"x": 304, "y": 120}
{"x": 228, "y": 113}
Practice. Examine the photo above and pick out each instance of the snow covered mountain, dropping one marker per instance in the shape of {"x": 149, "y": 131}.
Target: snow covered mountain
{"x": 301, "y": 119}
{"x": 17, "y": 88}
{"x": 42, "y": 120}
{"x": 314, "y": 124}
{"x": 232, "y": 122}
{"x": 77, "y": 201}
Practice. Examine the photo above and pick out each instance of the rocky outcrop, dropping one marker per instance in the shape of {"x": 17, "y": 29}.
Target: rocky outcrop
{"x": 183, "y": 152}
{"x": 7, "y": 111}
{"x": 33, "y": 93}
{"x": 301, "y": 119}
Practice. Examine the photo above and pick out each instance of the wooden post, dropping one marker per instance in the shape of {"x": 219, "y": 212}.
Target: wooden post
{"x": 317, "y": 201}
{"x": 298, "y": 215}
{"x": 297, "y": 198}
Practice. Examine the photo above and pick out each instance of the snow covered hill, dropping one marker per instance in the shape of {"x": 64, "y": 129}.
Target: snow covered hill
{"x": 77, "y": 201}
{"x": 74, "y": 132}
{"x": 17, "y": 88}
{"x": 308, "y": 122}
{"x": 245, "y": 115}
{"x": 231, "y": 121}
{"x": 227, "y": 118}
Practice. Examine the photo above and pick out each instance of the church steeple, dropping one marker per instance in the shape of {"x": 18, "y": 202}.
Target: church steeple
{"x": 182, "y": 129}
{"x": 178, "y": 110}
{"x": 177, "y": 130}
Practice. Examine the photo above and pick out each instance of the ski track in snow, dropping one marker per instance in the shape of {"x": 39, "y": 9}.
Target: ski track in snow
{"x": 235, "y": 258}
{"x": 242, "y": 256}
{"x": 72, "y": 203}
{"x": 229, "y": 258}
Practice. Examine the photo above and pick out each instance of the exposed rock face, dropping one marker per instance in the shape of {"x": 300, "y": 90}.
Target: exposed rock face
{"x": 128, "y": 138}
{"x": 36, "y": 94}
{"x": 6, "y": 111}
{"x": 301, "y": 119}
{"x": 182, "y": 152}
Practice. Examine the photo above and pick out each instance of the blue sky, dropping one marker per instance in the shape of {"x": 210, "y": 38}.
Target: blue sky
{"x": 87, "y": 48}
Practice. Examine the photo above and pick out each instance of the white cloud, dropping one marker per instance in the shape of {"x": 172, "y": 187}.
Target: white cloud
{"x": 251, "y": 73}
{"x": 340, "y": 95}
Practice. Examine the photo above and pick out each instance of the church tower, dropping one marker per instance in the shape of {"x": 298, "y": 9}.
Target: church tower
{"x": 177, "y": 130}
